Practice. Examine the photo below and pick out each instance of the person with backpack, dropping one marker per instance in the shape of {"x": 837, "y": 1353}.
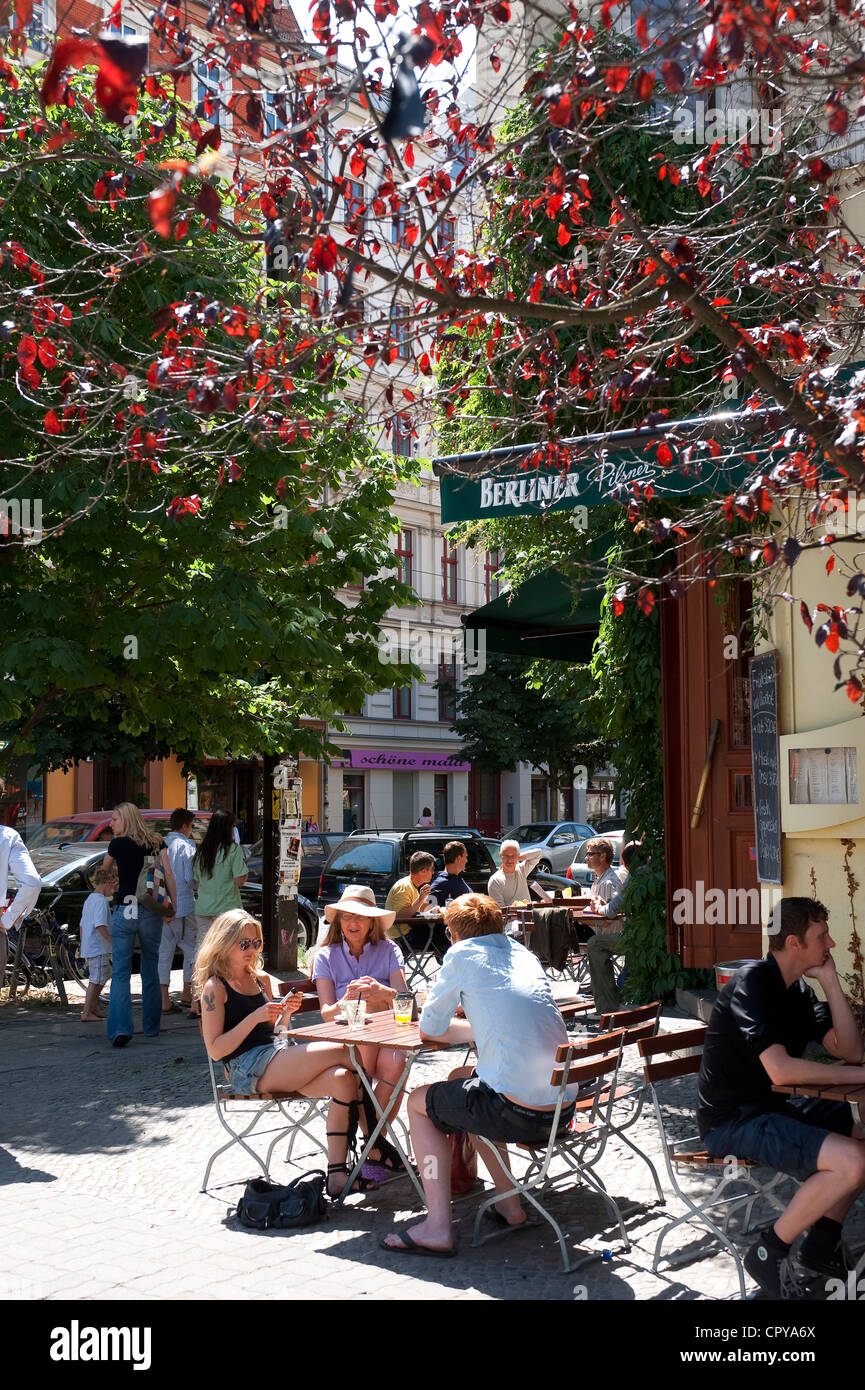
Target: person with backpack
{"x": 133, "y": 848}
{"x": 219, "y": 872}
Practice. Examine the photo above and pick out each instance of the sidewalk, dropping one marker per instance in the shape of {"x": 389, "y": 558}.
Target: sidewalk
{"x": 102, "y": 1153}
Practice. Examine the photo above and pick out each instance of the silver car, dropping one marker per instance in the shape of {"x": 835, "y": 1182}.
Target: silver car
{"x": 580, "y": 872}
{"x": 557, "y": 841}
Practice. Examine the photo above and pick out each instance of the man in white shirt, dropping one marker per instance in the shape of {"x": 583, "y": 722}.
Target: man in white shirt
{"x": 512, "y": 1017}
{"x": 509, "y": 884}
{"x": 606, "y": 942}
{"x": 15, "y": 860}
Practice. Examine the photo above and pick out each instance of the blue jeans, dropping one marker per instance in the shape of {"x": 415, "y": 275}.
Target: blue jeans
{"x": 124, "y": 929}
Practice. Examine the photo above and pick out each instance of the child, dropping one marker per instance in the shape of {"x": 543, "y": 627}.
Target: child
{"x": 96, "y": 940}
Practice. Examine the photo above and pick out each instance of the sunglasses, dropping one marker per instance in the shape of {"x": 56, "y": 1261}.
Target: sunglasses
{"x": 247, "y": 943}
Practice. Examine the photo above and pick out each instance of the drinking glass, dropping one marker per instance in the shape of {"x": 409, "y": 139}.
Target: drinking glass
{"x": 402, "y": 1007}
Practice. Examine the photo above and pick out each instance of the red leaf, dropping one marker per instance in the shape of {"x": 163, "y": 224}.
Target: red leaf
{"x": 323, "y": 254}
{"x": 211, "y": 139}
{"x": 68, "y": 53}
{"x": 209, "y": 203}
{"x": 564, "y": 235}
{"x": 23, "y": 12}
{"x": 560, "y": 111}
{"x": 27, "y": 351}
{"x": 645, "y": 601}
{"x": 819, "y": 170}
{"x": 52, "y": 424}
{"x": 321, "y": 21}
{"x": 644, "y": 85}
{"x": 160, "y": 206}
{"x": 830, "y": 564}
{"x": 664, "y": 455}
{"x": 617, "y": 79}
{"x": 641, "y": 28}
{"x": 619, "y": 600}
{"x": 832, "y": 638}
{"x": 47, "y": 353}
{"x": 408, "y": 155}
{"x": 854, "y": 689}
{"x": 805, "y": 615}
{"x": 673, "y": 76}
{"x": 424, "y": 365}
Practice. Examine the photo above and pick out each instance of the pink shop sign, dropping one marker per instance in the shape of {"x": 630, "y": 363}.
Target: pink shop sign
{"x": 398, "y": 760}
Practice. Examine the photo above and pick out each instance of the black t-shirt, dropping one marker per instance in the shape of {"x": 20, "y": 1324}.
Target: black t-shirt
{"x": 754, "y": 1011}
{"x": 129, "y": 857}
{"x": 445, "y": 887}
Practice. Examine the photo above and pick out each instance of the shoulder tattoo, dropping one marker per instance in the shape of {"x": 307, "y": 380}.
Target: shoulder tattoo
{"x": 210, "y": 1001}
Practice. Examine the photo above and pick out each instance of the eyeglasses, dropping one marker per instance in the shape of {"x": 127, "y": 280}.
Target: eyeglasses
{"x": 248, "y": 942}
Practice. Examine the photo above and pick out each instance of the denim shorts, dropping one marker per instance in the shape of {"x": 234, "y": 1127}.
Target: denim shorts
{"x": 788, "y": 1139}
{"x": 244, "y": 1071}
{"x": 473, "y": 1107}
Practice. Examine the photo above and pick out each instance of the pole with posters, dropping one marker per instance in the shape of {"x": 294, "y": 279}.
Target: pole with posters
{"x": 288, "y": 787}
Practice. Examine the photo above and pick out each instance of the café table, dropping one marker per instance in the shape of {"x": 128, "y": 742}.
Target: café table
{"x": 381, "y": 1030}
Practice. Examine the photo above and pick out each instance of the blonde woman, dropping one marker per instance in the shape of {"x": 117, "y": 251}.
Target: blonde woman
{"x": 357, "y": 961}
{"x": 238, "y": 1017}
{"x": 133, "y": 839}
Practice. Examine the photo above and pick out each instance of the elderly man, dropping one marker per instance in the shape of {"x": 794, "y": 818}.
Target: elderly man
{"x": 607, "y": 940}
{"x": 15, "y": 860}
{"x": 760, "y": 1026}
{"x": 510, "y": 884}
{"x": 512, "y": 1017}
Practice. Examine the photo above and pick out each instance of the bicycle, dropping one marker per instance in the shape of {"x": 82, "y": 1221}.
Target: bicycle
{"x": 51, "y": 960}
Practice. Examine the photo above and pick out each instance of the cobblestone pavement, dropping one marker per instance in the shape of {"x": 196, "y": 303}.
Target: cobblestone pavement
{"x": 102, "y": 1153}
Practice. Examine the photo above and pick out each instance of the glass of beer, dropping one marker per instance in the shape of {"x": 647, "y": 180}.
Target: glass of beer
{"x": 402, "y": 1009}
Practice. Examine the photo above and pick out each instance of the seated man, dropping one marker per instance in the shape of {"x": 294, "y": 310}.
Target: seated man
{"x": 446, "y": 886}
{"x": 606, "y": 943}
{"x": 517, "y": 1029}
{"x": 760, "y": 1026}
{"x": 408, "y": 897}
{"x": 510, "y": 884}
{"x": 599, "y": 857}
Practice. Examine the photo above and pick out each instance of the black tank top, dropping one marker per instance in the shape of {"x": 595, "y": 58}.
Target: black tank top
{"x": 237, "y": 1008}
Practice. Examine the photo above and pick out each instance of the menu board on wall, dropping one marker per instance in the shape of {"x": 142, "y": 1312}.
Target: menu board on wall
{"x": 766, "y": 763}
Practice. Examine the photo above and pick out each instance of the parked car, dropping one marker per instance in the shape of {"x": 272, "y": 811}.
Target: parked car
{"x": 611, "y": 823}
{"x": 317, "y": 845}
{"x": 379, "y": 858}
{"x": 579, "y": 871}
{"x": 70, "y": 869}
{"x": 556, "y": 839}
{"x": 86, "y": 826}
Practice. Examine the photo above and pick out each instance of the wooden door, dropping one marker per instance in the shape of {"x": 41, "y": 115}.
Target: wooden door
{"x": 712, "y": 892}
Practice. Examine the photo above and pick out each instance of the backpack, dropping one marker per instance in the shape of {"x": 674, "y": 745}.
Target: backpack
{"x": 151, "y": 890}
{"x": 265, "y": 1206}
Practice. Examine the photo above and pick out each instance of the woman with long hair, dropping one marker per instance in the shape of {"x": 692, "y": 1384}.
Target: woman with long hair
{"x": 357, "y": 961}
{"x": 238, "y": 1018}
{"x": 219, "y": 872}
{"x": 133, "y": 840}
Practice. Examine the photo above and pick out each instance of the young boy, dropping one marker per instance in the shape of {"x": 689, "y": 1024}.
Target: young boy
{"x": 96, "y": 940}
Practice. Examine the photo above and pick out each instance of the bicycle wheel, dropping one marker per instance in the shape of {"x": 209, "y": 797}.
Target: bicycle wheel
{"x": 74, "y": 966}
{"x": 57, "y": 972}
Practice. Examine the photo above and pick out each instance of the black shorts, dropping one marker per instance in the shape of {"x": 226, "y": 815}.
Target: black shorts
{"x": 472, "y": 1107}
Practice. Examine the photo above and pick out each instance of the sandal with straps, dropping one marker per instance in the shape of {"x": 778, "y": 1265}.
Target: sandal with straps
{"x": 350, "y": 1135}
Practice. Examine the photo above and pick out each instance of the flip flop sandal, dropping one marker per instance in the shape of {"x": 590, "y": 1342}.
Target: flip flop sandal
{"x": 411, "y": 1247}
{"x": 501, "y": 1227}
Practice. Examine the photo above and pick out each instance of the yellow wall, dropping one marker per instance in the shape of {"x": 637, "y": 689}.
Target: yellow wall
{"x": 59, "y": 794}
{"x": 173, "y": 784}
{"x": 815, "y": 866}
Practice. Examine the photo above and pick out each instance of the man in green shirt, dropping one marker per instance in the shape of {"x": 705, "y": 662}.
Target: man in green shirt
{"x": 408, "y": 895}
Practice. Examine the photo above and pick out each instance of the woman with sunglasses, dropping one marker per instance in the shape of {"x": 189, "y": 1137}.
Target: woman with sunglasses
{"x": 238, "y": 1017}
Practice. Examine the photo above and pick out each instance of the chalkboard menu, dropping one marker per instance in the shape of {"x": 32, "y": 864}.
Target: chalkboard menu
{"x": 766, "y": 764}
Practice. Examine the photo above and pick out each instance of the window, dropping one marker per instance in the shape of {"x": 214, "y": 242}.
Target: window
{"x": 403, "y": 553}
{"x": 399, "y": 330}
{"x": 397, "y": 228}
{"x": 42, "y": 24}
{"x": 377, "y": 856}
{"x": 274, "y": 112}
{"x": 401, "y": 436}
{"x": 447, "y": 689}
{"x": 491, "y": 584}
{"x": 402, "y": 702}
{"x": 449, "y": 571}
{"x": 447, "y": 235}
{"x": 354, "y": 206}
{"x": 212, "y": 89}
{"x": 440, "y": 802}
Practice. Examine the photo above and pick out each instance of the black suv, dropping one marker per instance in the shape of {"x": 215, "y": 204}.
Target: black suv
{"x": 379, "y": 858}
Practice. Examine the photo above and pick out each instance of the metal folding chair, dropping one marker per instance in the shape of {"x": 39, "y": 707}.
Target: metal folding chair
{"x": 689, "y": 1156}
{"x": 593, "y": 1064}
{"x": 241, "y": 1113}
{"x": 630, "y": 1097}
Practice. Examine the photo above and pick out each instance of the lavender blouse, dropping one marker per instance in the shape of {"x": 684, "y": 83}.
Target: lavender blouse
{"x": 338, "y": 964}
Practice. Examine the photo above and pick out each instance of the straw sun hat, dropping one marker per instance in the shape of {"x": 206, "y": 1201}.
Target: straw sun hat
{"x": 356, "y": 897}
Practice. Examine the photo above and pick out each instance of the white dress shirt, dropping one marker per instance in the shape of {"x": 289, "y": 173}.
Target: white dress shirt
{"x": 15, "y": 860}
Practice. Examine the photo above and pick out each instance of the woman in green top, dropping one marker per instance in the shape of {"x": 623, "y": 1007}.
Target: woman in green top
{"x": 219, "y": 872}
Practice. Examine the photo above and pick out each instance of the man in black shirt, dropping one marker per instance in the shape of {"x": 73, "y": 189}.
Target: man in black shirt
{"x": 760, "y": 1026}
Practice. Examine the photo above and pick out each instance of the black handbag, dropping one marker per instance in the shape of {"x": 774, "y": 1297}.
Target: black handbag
{"x": 265, "y": 1206}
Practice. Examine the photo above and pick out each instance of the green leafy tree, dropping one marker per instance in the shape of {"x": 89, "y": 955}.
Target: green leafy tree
{"x": 173, "y": 585}
{"x": 509, "y": 714}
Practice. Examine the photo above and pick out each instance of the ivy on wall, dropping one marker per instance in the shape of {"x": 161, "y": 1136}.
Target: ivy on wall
{"x": 626, "y": 664}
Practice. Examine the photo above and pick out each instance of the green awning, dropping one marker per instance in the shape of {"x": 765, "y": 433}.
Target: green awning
{"x": 708, "y": 455}
{"x": 538, "y": 619}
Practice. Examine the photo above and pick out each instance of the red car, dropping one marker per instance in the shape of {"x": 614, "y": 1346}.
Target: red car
{"x": 87, "y": 826}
